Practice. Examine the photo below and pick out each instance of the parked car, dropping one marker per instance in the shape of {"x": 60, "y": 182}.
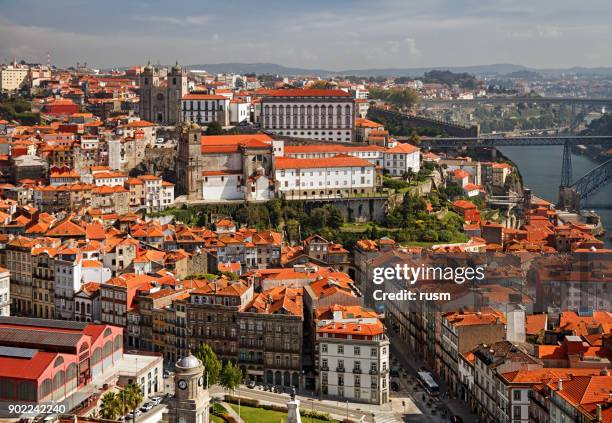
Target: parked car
{"x": 394, "y": 386}
{"x": 156, "y": 400}
{"x": 166, "y": 374}
{"x": 146, "y": 407}
{"x": 251, "y": 384}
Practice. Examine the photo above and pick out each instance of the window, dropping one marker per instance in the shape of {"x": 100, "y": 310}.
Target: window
{"x": 357, "y": 350}
{"x": 516, "y": 411}
{"x": 516, "y": 394}
{"x": 324, "y": 348}
{"x": 340, "y": 349}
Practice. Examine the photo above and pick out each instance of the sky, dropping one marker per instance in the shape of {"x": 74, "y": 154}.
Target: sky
{"x": 317, "y": 34}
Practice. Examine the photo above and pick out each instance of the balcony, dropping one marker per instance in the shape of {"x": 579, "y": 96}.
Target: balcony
{"x": 373, "y": 371}
{"x": 340, "y": 369}
{"x": 357, "y": 371}
{"x": 325, "y": 367}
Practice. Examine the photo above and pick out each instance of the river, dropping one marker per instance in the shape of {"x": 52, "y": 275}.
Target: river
{"x": 541, "y": 171}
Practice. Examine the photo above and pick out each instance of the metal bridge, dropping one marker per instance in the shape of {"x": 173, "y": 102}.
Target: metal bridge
{"x": 497, "y": 141}
{"x": 571, "y": 193}
{"x": 510, "y": 100}
{"x": 593, "y": 181}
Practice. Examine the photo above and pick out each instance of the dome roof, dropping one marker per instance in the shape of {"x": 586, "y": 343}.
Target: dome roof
{"x": 188, "y": 362}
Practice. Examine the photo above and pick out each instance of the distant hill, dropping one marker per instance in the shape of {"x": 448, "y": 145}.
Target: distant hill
{"x": 478, "y": 70}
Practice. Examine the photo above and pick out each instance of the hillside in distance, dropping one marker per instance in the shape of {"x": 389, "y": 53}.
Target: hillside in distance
{"x": 480, "y": 70}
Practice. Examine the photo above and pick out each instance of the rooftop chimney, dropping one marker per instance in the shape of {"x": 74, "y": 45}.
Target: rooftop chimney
{"x": 598, "y": 417}
{"x": 560, "y": 384}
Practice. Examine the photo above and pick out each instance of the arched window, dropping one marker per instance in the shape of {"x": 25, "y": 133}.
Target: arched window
{"x": 108, "y": 332}
{"x": 118, "y": 342}
{"x": 58, "y": 361}
{"x": 71, "y": 372}
{"x": 347, "y": 116}
{"x": 46, "y": 388}
{"x": 107, "y": 349}
{"x": 96, "y": 356}
{"x": 59, "y": 379}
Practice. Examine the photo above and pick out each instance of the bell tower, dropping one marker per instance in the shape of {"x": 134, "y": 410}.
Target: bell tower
{"x": 189, "y": 160}
{"x": 177, "y": 87}
{"x": 191, "y": 401}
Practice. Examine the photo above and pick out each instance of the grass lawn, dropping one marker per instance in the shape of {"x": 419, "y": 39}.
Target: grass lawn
{"x": 216, "y": 419}
{"x": 259, "y": 415}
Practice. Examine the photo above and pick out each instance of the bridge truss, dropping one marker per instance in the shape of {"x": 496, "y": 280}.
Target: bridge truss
{"x": 593, "y": 181}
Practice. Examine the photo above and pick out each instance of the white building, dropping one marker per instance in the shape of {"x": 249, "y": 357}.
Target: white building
{"x": 67, "y": 281}
{"x": 402, "y": 158}
{"x": 337, "y": 176}
{"x": 310, "y": 113}
{"x": 240, "y": 111}
{"x": 371, "y": 153}
{"x": 13, "y": 77}
{"x": 353, "y": 356}
{"x": 158, "y": 194}
{"x": 5, "y": 292}
{"x": 205, "y": 108}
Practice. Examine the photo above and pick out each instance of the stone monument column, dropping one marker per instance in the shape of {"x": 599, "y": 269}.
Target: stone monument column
{"x": 293, "y": 409}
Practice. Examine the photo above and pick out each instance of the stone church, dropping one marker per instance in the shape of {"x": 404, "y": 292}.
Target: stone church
{"x": 161, "y": 92}
{"x": 225, "y": 167}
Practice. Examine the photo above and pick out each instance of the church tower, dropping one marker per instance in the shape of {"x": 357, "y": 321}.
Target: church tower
{"x": 189, "y": 160}
{"x": 147, "y": 83}
{"x": 191, "y": 401}
{"x": 177, "y": 87}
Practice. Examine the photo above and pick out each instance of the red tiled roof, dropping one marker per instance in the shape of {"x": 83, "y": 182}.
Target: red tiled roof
{"x": 336, "y": 161}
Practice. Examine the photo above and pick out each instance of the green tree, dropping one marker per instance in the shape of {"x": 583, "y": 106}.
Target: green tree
{"x": 212, "y": 365}
{"x": 231, "y": 376}
{"x": 415, "y": 139}
{"x": 214, "y": 128}
{"x": 110, "y": 406}
{"x": 335, "y": 219}
{"x": 131, "y": 396}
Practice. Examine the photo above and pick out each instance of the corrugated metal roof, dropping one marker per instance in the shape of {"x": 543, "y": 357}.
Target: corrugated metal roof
{"x": 17, "y": 352}
{"x": 46, "y": 323}
{"x": 48, "y": 340}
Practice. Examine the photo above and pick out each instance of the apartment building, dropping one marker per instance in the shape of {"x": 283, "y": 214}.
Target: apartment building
{"x": 352, "y": 356}
{"x": 492, "y": 403}
{"x": 270, "y": 337}
{"x": 5, "y": 292}
{"x": 461, "y": 332}
{"x": 202, "y": 108}
{"x": 67, "y": 280}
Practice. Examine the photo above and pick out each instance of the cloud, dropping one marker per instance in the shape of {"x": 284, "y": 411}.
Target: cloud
{"x": 539, "y": 32}
{"x": 191, "y": 20}
{"x": 406, "y": 45}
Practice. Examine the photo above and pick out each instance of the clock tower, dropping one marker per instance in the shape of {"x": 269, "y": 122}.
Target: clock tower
{"x": 191, "y": 400}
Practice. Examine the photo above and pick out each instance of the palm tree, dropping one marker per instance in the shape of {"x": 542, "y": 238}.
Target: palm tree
{"x": 110, "y": 407}
{"x": 132, "y": 397}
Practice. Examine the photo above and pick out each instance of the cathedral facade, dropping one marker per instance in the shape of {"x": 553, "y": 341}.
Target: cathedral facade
{"x": 161, "y": 92}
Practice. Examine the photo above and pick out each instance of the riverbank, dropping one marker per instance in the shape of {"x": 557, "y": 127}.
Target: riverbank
{"x": 540, "y": 168}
